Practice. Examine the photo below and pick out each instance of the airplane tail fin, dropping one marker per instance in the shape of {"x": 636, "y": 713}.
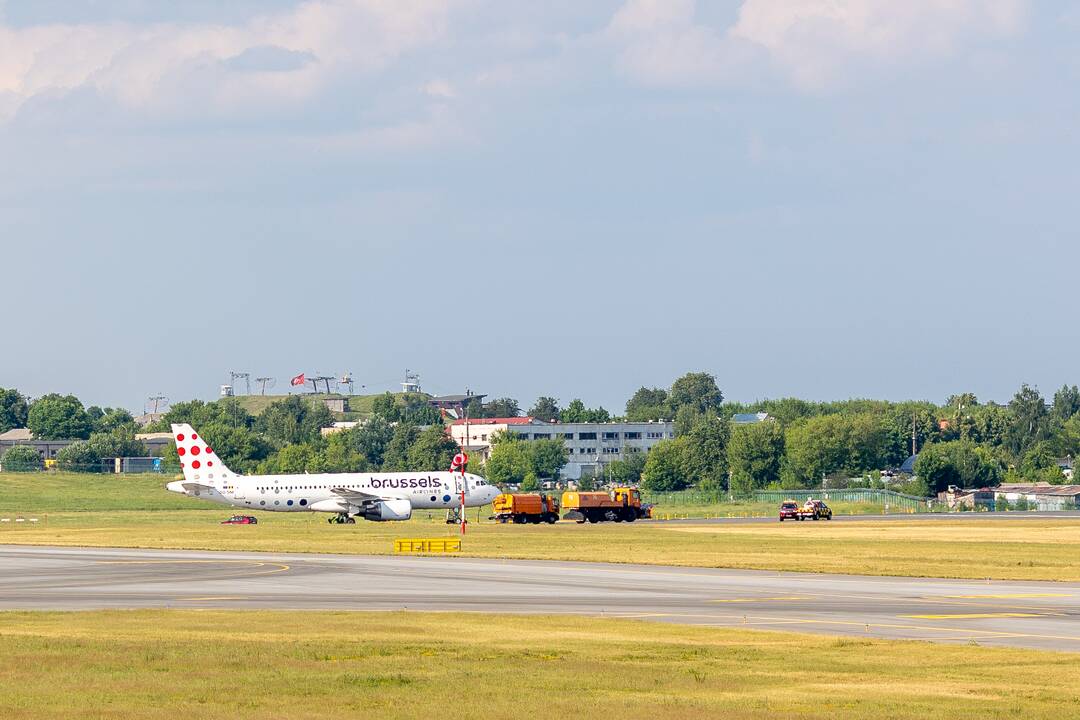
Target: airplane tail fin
{"x": 197, "y": 459}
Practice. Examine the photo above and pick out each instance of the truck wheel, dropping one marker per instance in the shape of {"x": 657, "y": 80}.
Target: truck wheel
{"x": 781, "y": 518}
{"x": 594, "y": 519}
{"x": 552, "y": 519}
{"x": 816, "y": 517}
{"x": 631, "y": 516}
{"x": 519, "y": 519}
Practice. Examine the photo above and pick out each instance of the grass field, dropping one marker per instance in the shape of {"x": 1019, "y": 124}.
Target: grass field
{"x": 55, "y": 492}
{"x": 359, "y": 405}
{"x": 135, "y": 511}
{"x": 248, "y": 664}
{"x": 1017, "y": 550}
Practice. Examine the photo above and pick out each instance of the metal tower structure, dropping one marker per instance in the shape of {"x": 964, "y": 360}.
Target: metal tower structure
{"x": 246, "y": 377}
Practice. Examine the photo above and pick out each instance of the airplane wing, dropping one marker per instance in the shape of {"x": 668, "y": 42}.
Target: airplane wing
{"x": 355, "y": 496}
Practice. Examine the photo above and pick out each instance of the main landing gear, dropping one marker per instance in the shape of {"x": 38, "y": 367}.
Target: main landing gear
{"x": 341, "y": 519}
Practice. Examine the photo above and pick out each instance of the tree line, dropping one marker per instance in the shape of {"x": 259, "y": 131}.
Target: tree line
{"x": 962, "y": 442}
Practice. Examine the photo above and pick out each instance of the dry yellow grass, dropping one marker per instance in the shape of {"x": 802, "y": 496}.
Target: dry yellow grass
{"x": 217, "y": 664}
{"x": 1022, "y": 549}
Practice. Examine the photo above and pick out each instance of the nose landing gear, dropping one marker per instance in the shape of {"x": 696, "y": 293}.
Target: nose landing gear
{"x": 341, "y": 519}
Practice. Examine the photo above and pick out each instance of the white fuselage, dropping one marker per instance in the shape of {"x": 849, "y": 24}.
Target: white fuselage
{"x": 340, "y": 492}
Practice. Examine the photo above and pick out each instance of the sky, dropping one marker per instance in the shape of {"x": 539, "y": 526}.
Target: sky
{"x": 823, "y": 198}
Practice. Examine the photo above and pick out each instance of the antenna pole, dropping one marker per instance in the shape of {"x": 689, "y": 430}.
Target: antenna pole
{"x": 914, "y": 447}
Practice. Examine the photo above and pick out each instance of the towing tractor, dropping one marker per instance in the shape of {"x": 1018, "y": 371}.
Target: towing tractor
{"x": 525, "y": 508}
{"x": 622, "y": 503}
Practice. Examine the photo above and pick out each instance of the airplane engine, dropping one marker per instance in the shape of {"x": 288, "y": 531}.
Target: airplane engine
{"x": 389, "y": 510}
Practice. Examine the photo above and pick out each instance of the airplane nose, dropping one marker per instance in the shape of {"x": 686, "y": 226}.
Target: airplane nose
{"x": 176, "y": 486}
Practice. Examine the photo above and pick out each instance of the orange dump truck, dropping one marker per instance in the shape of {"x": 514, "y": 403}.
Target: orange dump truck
{"x": 525, "y": 508}
{"x": 622, "y": 503}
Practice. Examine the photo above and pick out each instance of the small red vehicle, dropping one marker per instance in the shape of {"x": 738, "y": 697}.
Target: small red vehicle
{"x": 789, "y": 510}
{"x": 241, "y": 520}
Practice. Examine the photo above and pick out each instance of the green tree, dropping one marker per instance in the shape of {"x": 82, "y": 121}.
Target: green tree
{"x": 119, "y": 443}
{"x": 113, "y": 419}
{"x": 665, "y": 466}
{"x": 509, "y": 462}
{"x": 531, "y": 483}
{"x": 755, "y": 455}
{"x": 576, "y": 412}
{"x": 94, "y": 414}
{"x": 291, "y": 459}
{"x": 989, "y": 425}
{"x": 1038, "y": 458}
{"x": 547, "y": 458}
{"x": 372, "y": 438}
{"x": 958, "y": 462}
{"x": 293, "y": 420}
{"x": 502, "y": 408}
{"x": 546, "y": 408}
{"x": 705, "y": 458}
{"x": 79, "y": 457}
{"x": 396, "y": 457}
{"x": 1066, "y": 402}
{"x": 58, "y": 417}
{"x": 697, "y": 390}
{"x": 896, "y": 423}
{"x": 339, "y": 454}
{"x": 199, "y": 414}
{"x": 385, "y": 407}
{"x": 1028, "y": 420}
{"x": 788, "y": 410}
{"x": 686, "y": 419}
{"x": 13, "y": 409}
{"x": 21, "y": 458}
{"x": 835, "y": 444}
{"x": 419, "y": 411}
{"x": 648, "y": 404}
{"x": 239, "y": 447}
{"x": 628, "y": 469}
{"x": 433, "y": 449}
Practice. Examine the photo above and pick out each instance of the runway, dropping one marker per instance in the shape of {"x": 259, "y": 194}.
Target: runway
{"x": 1021, "y": 614}
{"x": 1063, "y": 515}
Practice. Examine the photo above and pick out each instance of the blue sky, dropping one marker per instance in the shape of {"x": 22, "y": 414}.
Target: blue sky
{"x": 824, "y": 198}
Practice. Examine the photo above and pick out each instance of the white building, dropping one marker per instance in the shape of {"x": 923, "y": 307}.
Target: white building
{"x": 589, "y": 446}
{"x": 475, "y": 436}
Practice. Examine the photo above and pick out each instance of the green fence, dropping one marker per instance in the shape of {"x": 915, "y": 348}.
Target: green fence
{"x": 860, "y": 495}
{"x": 894, "y": 500}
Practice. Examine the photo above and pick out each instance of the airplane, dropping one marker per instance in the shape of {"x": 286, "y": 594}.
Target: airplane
{"x": 377, "y": 496}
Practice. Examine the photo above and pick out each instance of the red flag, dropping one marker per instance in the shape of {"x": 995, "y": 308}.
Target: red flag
{"x": 298, "y": 380}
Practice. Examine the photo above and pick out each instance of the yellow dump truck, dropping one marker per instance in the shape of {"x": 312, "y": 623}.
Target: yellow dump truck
{"x": 622, "y": 503}
{"x": 525, "y": 508}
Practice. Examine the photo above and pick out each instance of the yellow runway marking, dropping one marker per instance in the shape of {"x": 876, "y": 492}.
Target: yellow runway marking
{"x": 1004, "y": 596}
{"x": 761, "y": 599}
{"x": 973, "y": 616}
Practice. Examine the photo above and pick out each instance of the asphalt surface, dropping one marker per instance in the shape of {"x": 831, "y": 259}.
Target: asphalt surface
{"x": 1023, "y": 614}
{"x": 1067, "y": 515}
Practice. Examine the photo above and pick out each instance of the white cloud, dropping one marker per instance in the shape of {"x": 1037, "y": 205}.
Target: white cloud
{"x": 440, "y": 89}
{"x": 815, "y": 42}
{"x": 164, "y": 67}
